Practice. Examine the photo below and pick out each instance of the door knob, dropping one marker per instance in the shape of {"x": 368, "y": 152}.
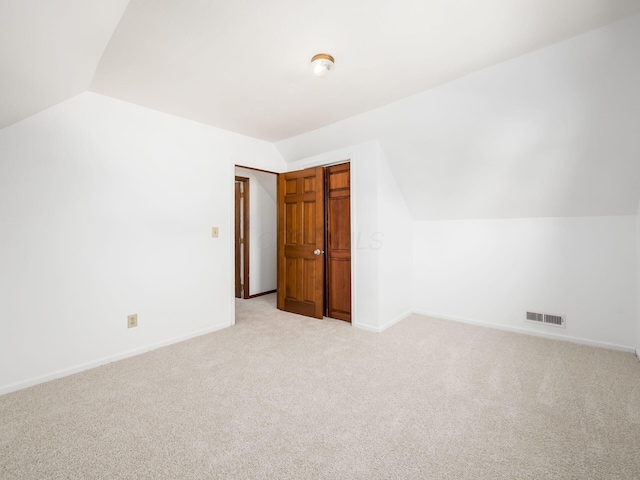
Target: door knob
{"x": 317, "y": 251}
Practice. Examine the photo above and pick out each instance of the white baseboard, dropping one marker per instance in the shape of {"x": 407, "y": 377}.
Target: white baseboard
{"x": 13, "y": 387}
{"x": 535, "y": 333}
{"x": 395, "y": 320}
{"x": 383, "y": 327}
{"x": 368, "y": 328}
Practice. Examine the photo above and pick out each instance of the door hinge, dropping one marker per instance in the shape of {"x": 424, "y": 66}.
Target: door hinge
{"x": 241, "y": 194}
{"x": 242, "y": 241}
{"x": 241, "y": 287}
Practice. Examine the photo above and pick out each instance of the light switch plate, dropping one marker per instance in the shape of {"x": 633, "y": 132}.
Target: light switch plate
{"x": 214, "y": 232}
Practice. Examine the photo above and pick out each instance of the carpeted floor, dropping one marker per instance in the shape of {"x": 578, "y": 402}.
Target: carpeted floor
{"x": 283, "y": 396}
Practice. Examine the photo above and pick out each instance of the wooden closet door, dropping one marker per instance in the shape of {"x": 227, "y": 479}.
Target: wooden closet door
{"x": 301, "y": 242}
{"x": 338, "y": 287}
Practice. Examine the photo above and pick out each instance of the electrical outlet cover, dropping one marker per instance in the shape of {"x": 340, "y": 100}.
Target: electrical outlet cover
{"x": 132, "y": 320}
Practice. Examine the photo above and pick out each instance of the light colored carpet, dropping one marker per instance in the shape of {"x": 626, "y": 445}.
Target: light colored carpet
{"x": 283, "y": 396}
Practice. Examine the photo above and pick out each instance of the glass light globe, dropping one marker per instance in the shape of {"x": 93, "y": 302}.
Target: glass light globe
{"x": 322, "y": 63}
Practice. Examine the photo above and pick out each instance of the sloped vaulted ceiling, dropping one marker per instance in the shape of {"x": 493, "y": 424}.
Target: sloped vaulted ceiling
{"x": 533, "y": 132}
{"x": 553, "y": 133}
{"x": 49, "y": 51}
{"x": 243, "y": 65}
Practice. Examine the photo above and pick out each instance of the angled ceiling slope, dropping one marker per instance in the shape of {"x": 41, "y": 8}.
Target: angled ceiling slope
{"x": 244, "y": 65}
{"x": 49, "y": 51}
{"x": 553, "y": 133}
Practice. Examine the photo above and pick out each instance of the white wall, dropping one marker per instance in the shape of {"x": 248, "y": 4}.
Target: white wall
{"x": 395, "y": 237}
{"x": 49, "y": 51}
{"x": 381, "y": 236}
{"x": 492, "y": 271}
{"x": 550, "y": 137}
{"x": 262, "y": 230}
{"x": 106, "y": 209}
{"x": 255, "y": 153}
{"x": 638, "y": 281}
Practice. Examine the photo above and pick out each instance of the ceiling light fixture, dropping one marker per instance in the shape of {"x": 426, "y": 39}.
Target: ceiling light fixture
{"x": 322, "y": 63}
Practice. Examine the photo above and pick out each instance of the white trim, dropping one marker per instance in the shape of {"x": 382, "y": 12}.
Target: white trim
{"x": 382, "y": 328}
{"x": 363, "y": 326}
{"x": 327, "y": 159}
{"x": 353, "y": 169}
{"x": 638, "y": 353}
{"x": 13, "y": 387}
{"x": 393, "y": 321}
{"x": 552, "y": 336}
{"x": 232, "y": 243}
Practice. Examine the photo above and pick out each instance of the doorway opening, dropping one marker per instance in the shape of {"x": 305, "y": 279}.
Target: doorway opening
{"x": 242, "y": 236}
{"x": 293, "y": 238}
{"x": 255, "y": 232}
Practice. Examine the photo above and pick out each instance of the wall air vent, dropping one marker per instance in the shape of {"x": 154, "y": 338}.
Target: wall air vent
{"x": 546, "y": 319}
{"x": 535, "y": 317}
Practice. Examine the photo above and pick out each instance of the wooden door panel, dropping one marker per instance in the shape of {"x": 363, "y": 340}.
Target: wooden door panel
{"x": 291, "y": 186}
{"x": 291, "y": 223}
{"x": 309, "y": 220}
{"x": 338, "y": 179}
{"x": 310, "y": 183}
{"x": 290, "y": 271}
{"x": 339, "y": 242}
{"x": 339, "y": 228}
{"x": 340, "y": 275}
{"x": 300, "y": 233}
{"x": 309, "y": 272}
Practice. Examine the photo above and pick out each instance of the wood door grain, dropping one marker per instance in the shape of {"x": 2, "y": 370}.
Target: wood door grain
{"x": 338, "y": 289}
{"x": 301, "y": 242}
